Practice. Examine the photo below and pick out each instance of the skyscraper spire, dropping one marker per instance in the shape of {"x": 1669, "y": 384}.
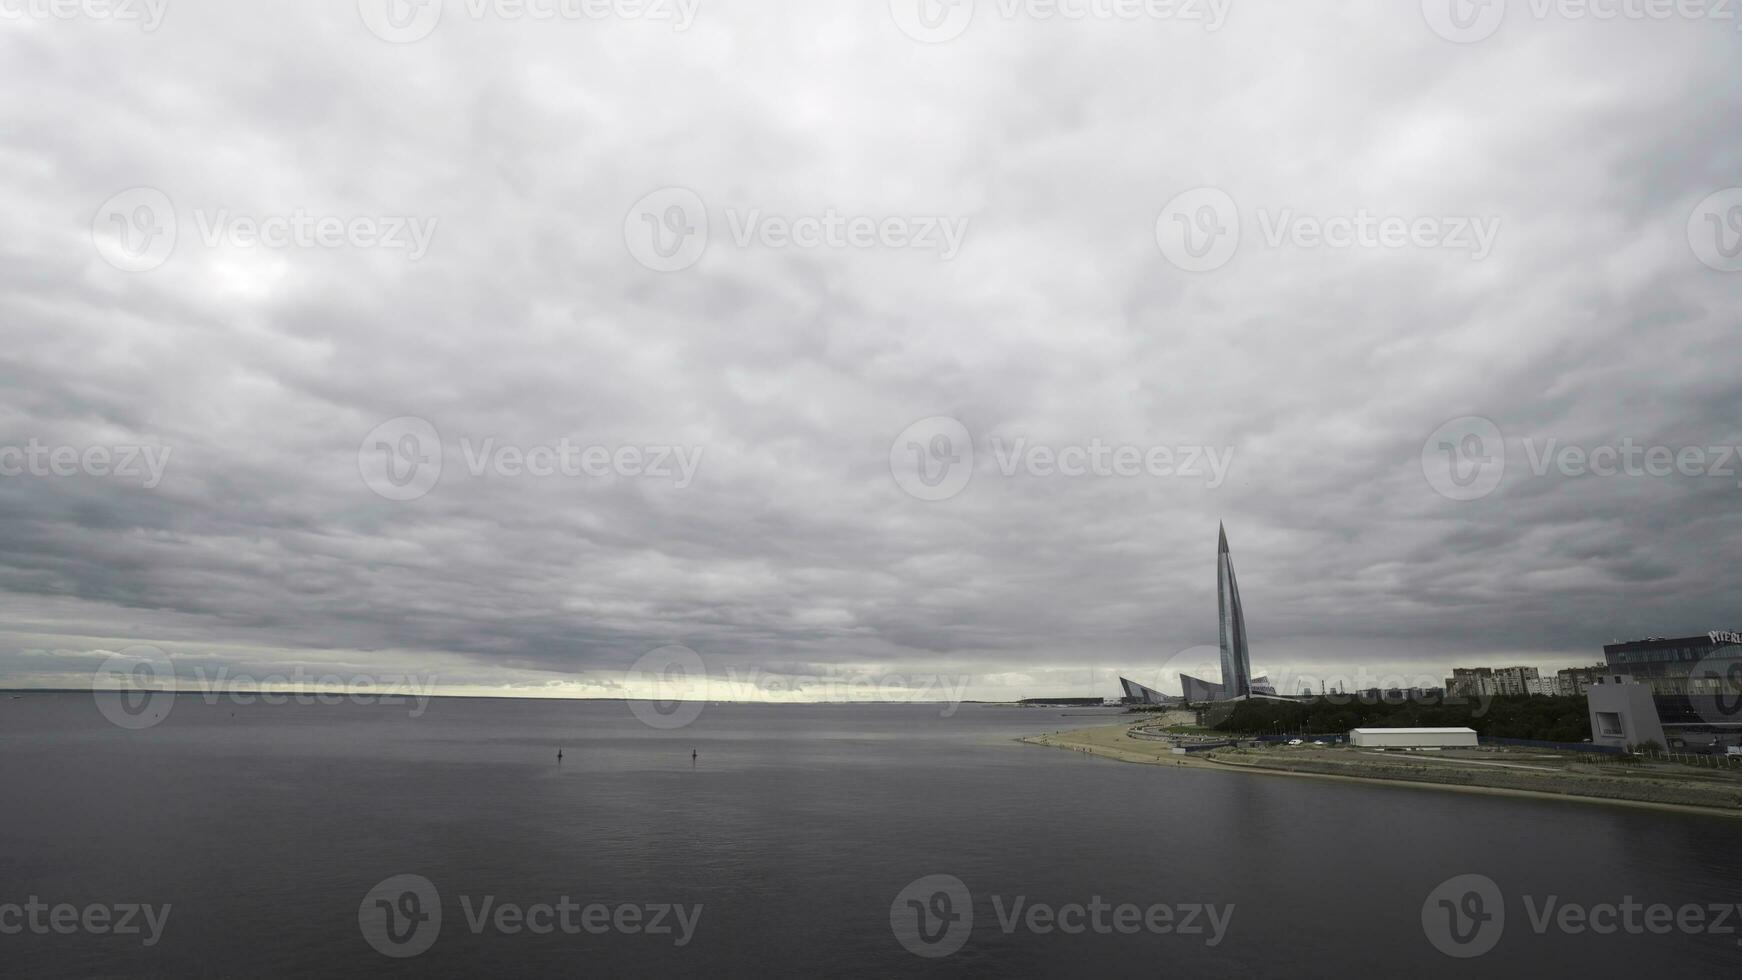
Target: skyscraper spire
{"x": 1236, "y": 659}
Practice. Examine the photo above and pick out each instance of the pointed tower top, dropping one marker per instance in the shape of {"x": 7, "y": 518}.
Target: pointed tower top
{"x": 1222, "y": 547}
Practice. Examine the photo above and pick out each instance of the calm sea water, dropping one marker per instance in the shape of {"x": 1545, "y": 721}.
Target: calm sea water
{"x": 265, "y": 827}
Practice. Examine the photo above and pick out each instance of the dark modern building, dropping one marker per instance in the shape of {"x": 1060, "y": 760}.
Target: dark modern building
{"x": 1136, "y": 693}
{"x": 1677, "y": 666}
{"x": 1689, "y": 688}
{"x": 1198, "y": 689}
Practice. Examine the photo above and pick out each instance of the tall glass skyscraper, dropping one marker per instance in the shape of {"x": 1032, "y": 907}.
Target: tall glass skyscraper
{"x": 1236, "y": 659}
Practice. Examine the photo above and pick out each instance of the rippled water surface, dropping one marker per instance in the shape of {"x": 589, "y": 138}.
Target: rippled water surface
{"x": 264, "y": 827}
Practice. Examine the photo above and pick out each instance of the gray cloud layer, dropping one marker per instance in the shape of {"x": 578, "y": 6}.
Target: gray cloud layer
{"x": 792, "y": 370}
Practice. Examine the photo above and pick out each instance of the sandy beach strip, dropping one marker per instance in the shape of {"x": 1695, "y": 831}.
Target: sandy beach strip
{"x": 1111, "y": 742}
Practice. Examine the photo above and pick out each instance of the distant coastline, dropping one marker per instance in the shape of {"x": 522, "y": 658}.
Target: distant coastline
{"x": 522, "y": 697}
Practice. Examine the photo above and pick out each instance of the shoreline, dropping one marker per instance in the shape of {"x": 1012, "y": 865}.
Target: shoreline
{"x": 1161, "y": 754}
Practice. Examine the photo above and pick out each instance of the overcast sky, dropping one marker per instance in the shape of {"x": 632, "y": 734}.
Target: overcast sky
{"x": 591, "y": 229}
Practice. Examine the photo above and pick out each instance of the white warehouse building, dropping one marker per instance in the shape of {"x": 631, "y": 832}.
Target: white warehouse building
{"x": 1413, "y": 738}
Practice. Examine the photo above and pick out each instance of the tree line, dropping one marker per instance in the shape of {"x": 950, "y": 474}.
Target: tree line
{"x": 1509, "y": 716}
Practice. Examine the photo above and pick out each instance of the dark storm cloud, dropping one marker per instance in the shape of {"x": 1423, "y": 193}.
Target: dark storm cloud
{"x": 792, "y": 371}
